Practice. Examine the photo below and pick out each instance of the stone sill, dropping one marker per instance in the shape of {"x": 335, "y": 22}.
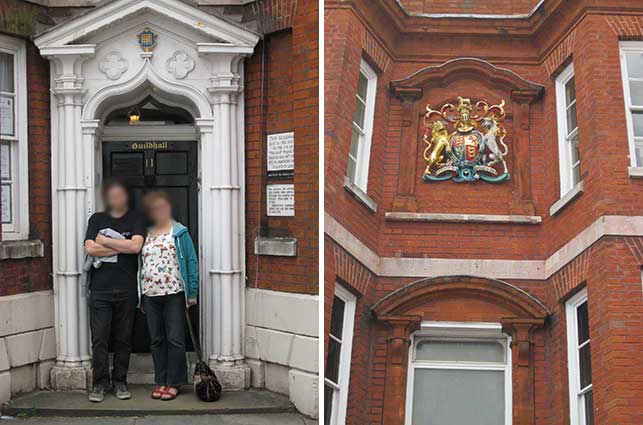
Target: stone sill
{"x": 276, "y": 247}
{"x": 635, "y": 172}
{"x": 15, "y": 250}
{"x": 360, "y": 195}
{"x": 463, "y": 218}
{"x": 574, "y": 193}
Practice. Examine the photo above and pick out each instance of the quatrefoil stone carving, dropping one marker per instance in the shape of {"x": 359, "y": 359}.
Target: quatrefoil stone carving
{"x": 113, "y": 65}
{"x": 180, "y": 64}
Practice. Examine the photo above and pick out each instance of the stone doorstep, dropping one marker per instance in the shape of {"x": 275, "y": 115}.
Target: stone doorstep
{"x": 75, "y": 404}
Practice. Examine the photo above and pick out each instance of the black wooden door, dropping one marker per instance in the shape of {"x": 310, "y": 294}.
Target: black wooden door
{"x": 168, "y": 166}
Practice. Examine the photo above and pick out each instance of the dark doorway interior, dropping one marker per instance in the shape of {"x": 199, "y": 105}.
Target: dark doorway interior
{"x": 167, "y": 166}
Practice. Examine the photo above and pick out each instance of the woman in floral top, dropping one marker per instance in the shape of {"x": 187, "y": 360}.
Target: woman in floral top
{"x": 168, "y": 282}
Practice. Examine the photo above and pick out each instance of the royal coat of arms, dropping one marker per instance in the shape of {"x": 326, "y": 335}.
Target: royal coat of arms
{"x": 474, "y": 150}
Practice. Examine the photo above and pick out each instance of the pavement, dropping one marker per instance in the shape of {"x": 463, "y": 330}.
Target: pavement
{"x": 252, "y": 407}
{"x": 265, "y": 419}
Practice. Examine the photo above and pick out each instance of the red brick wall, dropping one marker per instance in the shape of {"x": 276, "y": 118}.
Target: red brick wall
{"x": 493, "y": 7}
{"x": 290, "y": 104}
{"x": 603, "y": 141}
{"x": 27, "y": 275}
{"x": 611, "y": 268}
{"x": 611, "y": 271}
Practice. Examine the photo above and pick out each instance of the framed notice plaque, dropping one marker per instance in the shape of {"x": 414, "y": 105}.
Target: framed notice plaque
{"x": 281, "y": 155}
{"x": 280, "y": 200}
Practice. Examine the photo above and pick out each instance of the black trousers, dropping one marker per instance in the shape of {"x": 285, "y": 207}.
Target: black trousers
{"x": 166, "y": 322}
{"x": 111, "y": 314}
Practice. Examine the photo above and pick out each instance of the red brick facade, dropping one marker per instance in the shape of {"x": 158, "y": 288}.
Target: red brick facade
{"x": 32, "y": 274}
{"x": 419, "y": 62}
{"x": 290, "y": 103}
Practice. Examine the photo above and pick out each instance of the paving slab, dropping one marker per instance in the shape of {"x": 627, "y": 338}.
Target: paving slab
{"x": 265, "y": 419}
{"x": 75, "y": 404}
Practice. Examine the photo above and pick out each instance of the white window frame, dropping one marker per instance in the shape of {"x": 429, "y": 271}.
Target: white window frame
{"x": 564, "y": 145}
{"x": 340, "y": 395}
{"x": 459, "y": 330}
{"x": 19, "y": 228}
{"x": 625, "y": 47}
{"x": 576, "y": 396}
{"x": 362, "y": 161}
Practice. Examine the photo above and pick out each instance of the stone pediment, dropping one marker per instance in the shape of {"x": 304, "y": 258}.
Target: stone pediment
{"x": 85, "y": 27}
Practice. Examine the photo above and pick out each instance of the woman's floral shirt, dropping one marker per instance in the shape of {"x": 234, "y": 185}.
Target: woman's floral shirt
{"x": 160, "y": 274}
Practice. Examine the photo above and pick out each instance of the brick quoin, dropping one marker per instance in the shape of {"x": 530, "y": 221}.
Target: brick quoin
{"x": 398, "y": 42}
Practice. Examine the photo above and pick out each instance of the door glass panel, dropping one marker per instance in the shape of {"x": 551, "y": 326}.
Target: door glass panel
{"x": 169, "y": 163}
{"x": 127, "y": 164}
{"x": 448, "y": 397}
{"x": 460, "y": 351}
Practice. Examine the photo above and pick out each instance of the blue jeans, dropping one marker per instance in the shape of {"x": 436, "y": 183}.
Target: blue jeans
{"x": 166, "y": 322}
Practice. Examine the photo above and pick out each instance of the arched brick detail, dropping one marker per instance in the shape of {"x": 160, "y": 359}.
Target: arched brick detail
{"x": 521, "y": 303}
{"x": 455, "y": 69}
{"x": 636, "y": 246}
{"x": 375, "y": 52}
{"x": 570, "y": 277}
{"x": 399, "y": 311}
{"x": 351, "y": 271}
{"x": 560, "y": 54}
{"x": 626, "y": 27}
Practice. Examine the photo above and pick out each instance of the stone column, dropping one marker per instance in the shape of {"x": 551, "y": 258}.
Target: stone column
{"x": 70, "y": 201}
{"x": 397, "y": 357}
{"x": 223, "y": 256}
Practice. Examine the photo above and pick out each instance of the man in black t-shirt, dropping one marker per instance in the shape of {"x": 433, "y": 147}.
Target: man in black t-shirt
{"x": 114, "y": 238}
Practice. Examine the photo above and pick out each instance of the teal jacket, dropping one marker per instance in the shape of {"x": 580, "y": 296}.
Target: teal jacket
{"x": 188, "y": 262}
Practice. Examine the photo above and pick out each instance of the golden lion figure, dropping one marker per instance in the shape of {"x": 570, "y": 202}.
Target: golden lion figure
{"x": 440, "y": 143}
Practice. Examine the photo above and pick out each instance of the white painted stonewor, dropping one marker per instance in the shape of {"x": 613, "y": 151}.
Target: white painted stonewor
{"x": 82, "y": 97}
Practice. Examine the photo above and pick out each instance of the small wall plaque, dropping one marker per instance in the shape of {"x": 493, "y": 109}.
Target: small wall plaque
{"x": 281, "y": 155}
{"x": 280, "y": 200}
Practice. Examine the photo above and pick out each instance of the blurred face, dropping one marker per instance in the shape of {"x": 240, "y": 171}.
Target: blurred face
{"x": 160, "y": 211}
{"x": 116, "y": 198}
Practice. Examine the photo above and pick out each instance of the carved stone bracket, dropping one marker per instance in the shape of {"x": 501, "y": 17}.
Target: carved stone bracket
{"x": 521, "y": 331}
{"x": 397, "y": 354}
{"x": 411, "y": 89}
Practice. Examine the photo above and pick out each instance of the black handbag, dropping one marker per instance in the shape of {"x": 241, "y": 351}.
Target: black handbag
{"x": 206, "y": 384}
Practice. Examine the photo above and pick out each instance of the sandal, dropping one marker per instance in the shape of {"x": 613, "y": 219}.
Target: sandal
{"x": 170, "y": 393}
{"x": 157, "y": 392}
